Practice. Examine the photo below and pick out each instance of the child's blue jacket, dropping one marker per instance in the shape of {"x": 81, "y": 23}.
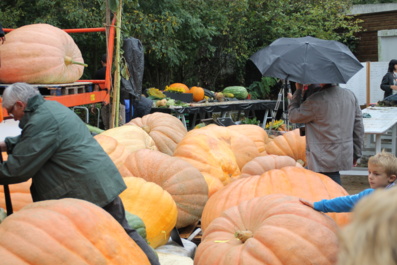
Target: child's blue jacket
{"x": 341, "y": 204}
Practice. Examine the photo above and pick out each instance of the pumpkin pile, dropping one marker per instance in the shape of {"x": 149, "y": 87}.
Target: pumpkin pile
{"x": 40, "y": 54}
{"x": 241, "y": 184}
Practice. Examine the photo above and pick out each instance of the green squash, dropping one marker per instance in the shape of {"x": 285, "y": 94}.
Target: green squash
{"x": 136, "y": 223}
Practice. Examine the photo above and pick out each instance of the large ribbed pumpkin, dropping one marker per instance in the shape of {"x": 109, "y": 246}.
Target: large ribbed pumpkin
{"x": 261, "y": 164}
{"x": 293, "y": 181}
{"x": 271, "y": 230}
{"x": 40, "y": 54}
{"x": 165, "y": 129}
{"x": 132, "y": 137}
{"x": 20, "y": 195}
{"x": 218, "y": 151}
{"x": 153, "y": 205}
{"x": 66, "y": 231}
{"x": 183, "y": 181}
{"x": 288, "y": 144}
{"x": 254, "y": 132}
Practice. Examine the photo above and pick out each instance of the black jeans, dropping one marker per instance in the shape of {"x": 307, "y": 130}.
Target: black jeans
{"x": 335, "y": 176}
{"x": 116, "y": 209}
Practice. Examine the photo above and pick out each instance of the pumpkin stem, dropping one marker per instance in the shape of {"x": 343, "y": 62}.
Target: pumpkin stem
{"x": 68, "y": 60}
{"x": 243, "y": 235}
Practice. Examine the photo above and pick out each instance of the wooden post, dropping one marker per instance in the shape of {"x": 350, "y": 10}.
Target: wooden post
{"x": 116, "y": 85}
{"x": 368, "y": 77}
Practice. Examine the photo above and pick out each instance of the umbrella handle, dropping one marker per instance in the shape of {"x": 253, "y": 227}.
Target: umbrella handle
{"x": 7, "y": 194}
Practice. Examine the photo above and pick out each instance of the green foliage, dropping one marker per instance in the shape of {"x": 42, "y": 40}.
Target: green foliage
{"x": 261, "y": 89}
{"x": 197, "y": 42}
{"x": 250, "y": 121}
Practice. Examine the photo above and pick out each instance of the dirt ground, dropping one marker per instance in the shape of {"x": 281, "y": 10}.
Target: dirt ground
{"x": 354, "y": 184}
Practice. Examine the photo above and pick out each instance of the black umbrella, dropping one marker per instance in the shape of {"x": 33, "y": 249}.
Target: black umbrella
{"x": 307, "y": 60}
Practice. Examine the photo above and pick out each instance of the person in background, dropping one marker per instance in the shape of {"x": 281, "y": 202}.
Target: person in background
{"x": 333, "y": 126}
{"x": 55, "y": 150}
{"x": 382, "y": 173}
{"x": 101, "y": 72}
{"x": 389, "y": 80}
{"x": 2, "y": 34}
{"x": 371, "y": 236}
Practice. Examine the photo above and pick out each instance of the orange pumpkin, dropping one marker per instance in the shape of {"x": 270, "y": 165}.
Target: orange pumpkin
{"x": 153, "y": 205}
{"x": 293, "y": 181}
{"x": 218, "y": 151}
{"x": 288, "y": 144}
{"x": 198, "y": 93}
{"x": 254, "y": 132}
{"x": 66, "y": 231}
{"x": 273, "y": 229}
{"x": 261, "y": 164}
{"x": 20, "y": 195}
{"x": 180, "y": 85}
{"x": 40, "y": 53}
{"x": 183, "y": 181}
{"x": 165, "y": 129}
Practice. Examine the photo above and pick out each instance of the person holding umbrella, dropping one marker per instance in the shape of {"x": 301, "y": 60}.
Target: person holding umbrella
{"x": 332, "y": 115}
{"x": 334, "y": 128}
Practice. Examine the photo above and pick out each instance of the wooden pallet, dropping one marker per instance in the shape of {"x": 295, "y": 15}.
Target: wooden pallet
{"x": 189, "y": 231}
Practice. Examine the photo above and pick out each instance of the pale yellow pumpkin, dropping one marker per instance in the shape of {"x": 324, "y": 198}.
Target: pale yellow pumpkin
{"x": 132, "y": 137}
{"x": 165, "y": 129}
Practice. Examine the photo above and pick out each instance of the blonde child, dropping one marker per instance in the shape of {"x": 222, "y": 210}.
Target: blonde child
{"x": 382, "y": 173}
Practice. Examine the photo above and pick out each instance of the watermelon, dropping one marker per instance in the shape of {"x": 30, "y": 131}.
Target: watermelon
{"x": 239, "y": 92}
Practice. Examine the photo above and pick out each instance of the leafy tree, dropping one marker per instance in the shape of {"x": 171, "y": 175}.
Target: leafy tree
{"x": 196, "y": 42}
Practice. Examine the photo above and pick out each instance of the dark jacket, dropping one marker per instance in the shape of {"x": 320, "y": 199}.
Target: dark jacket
{"x": 387, "y": 81}
{"x": 1, "y": 31}
{"x": 57, "y": 151}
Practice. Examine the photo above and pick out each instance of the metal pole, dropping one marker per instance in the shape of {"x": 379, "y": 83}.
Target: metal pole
{"x": 7, "y": 195}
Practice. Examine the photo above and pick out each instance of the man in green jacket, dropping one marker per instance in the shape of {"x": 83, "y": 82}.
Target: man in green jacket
{"x": 56, "y": 150}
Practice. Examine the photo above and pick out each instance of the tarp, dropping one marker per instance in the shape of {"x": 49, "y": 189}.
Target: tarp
{"x": 134, "y": 58}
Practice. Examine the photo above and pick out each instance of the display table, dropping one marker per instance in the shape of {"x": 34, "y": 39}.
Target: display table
{"x": 204, "y": 110}
{"x": 382, "y": 124}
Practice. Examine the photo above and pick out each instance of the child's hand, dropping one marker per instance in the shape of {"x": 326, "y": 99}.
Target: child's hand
{"x": 307, "y": 203}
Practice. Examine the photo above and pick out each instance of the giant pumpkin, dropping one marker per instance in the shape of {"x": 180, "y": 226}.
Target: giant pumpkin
{"x": 20, "y": 195}
{"x": 183, "y": 181}
{"x": 132, "y": 137}
{"x": 271, "y": 230}
{"x": 66, "y": 231}
{"x": 218, "y": 151}
{"x": 261, "y": 164}
{"x": 153, "y": 205}
{"x": 254, "y": 132}
{"x": 165, "y": 129}
{"x": 40, "y": 54}
{"x": 293, "y": 181}
{"x": 288, "y": 144}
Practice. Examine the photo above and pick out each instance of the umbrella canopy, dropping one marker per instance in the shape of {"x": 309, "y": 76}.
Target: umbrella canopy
{"x": 307, "y": 60}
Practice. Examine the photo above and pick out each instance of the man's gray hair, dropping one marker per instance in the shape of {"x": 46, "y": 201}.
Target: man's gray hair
{"x": 18, "y": 92}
